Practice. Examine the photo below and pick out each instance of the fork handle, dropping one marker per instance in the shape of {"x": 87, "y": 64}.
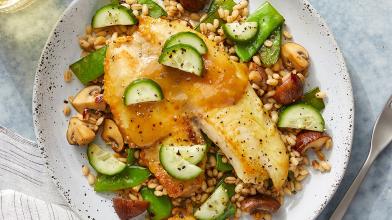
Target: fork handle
{"x": 348, "y": 197}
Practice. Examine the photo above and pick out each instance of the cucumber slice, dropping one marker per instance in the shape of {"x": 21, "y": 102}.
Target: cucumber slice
{"x": 142, "y": 90}
{"x": 193, "y": 154}
{"x": 187, "y": 38}
{"x": 241, "y": 33}
{"x": 176, "y": 166}
{"x": 214, "y": 206}
{"x": 301, "y": 116}
{"x": 183, "y": 57}
{"x": 89, "y": 67}
{"x": 113, "y": 14}
{"x": 103, "y": 161}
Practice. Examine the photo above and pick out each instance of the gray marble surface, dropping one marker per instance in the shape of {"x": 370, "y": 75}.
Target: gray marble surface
{"x": 361, "y": 27}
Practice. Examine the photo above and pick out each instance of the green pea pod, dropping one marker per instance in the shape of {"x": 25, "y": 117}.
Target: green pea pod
{"x": 131, "y": 176}
{"x": 212, "y": 12}
{"x": 229, "y": 212}
{"x": 89, "y": 67}
{"x": 269, "y": 19}
{"x": 311, "y": 99}
{"x": 220, "y": 166}
{"x": 154, "y": 9}
{"x": 229, "y": 187}
{"x": 270, "y": 55}
{"x": 131, "y": 158}
{"x": 160, "y": 206}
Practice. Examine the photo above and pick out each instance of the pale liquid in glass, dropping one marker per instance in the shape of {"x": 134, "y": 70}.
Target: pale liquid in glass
{"x": 13, "y": 5}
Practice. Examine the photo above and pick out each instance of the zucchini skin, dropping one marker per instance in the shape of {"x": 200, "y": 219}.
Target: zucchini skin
{"x": 167, "y": 54}
{"x": 126, "y": 11}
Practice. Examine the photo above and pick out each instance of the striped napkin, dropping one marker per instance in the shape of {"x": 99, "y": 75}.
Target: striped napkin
{"x": 26, "y": 189}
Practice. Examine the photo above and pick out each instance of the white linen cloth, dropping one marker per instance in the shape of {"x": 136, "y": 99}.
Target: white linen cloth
{"x": 25, "y": 182}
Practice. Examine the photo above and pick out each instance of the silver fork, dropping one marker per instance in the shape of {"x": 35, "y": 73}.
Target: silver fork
{"x": 381, "y": 137}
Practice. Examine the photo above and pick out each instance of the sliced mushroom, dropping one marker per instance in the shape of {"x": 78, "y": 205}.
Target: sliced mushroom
{"x": 111, "y": 135}
{"x": 193, "y": 5}
{"x": 260, "y": 204}
{"x": 257, "y": 75}
{"x": 89, "y": 98}
{"x": 79, "y": 132}
{"x": 127, "y": 209}
{"x": 295, "y": 56}
{"x": 290, "y": 90}
{"x": 311, "y": 139}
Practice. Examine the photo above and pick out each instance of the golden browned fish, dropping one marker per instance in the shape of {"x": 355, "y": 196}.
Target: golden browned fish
{"x": 224, "y": 82}
{"x": 223, "y": 103}
{"x": 250, "y": 140}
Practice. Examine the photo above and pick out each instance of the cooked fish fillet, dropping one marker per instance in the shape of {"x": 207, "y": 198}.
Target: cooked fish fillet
{"x": 250, "y": 140}
{"x": 224, "y": 105}
{"x": 187, "y": 135}
{"x": 223, "y": 83}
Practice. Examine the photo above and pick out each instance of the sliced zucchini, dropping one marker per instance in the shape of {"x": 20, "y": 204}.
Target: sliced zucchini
{"x": 241, "y": 32}
{"x": 113, "y": 14}
{"x": 183, "y": 57}
{"x": 301, "y": 116}
{"x": 89, "y": 67}
{"x": 104, "y": 161}
{"x": 176, "y": 166}
{"x": 193, "y": 154}
{"x": 214, "y": 206}
{"x": 187, "y": 38}
{"x": 142, "y": 90}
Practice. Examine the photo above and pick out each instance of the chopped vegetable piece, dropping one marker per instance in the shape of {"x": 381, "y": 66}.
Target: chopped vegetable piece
{"x": 113, "y": 14}
{"x": 176, "y": 166}
{"x": 212, "y": 12}
{"x": 269, "y": 19}
{"x": 241, "y": 33}
{"x": 187, "y": 38}
{"x": 154, "y": 9}
{"x": 104, "y": 161}
{"x": 160, "y": 207}
{"x": 301, "y": 116}
{"x": 221, "y": 166}
{"x": 215, "y": 205}
{"x": 311, "y": 99}
{"x": 183, "y": 57}
{"x": 228, "y": 213}
{"x": 130, "y": 156}
{"x": 142, "y": 90}
{"x": 90, "y": 67}
{"x": 193, "y": 154}
{"x": 270, "y": 55}
{"x": 131, "y": 176}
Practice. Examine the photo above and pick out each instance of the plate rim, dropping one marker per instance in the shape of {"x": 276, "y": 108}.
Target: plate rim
{"x": 314, "y": 13}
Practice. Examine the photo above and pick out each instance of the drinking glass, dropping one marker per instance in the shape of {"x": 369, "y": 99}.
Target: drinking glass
{"x": 13, "y": 5}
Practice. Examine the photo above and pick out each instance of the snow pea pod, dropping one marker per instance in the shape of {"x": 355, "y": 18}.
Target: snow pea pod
{"x": 270, "y": 55}
{"x": 221, "y": 166}
{"x": 160, "y": 206}
{"x": 269, "y": 19}
{"x": 131, "y": 176}
{"x": 311, "y": 99}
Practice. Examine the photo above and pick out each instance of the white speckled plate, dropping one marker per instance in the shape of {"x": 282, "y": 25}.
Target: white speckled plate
{"x": 327, "y": 70}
